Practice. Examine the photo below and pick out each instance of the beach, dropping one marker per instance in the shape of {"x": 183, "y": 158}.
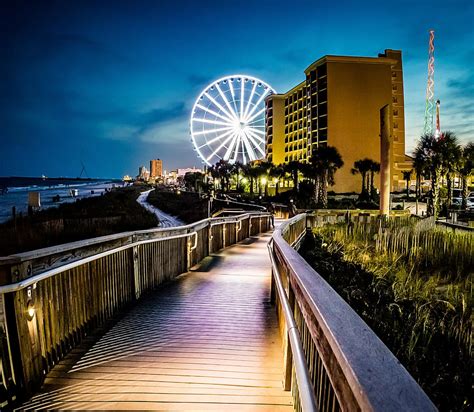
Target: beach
{"x": 18, "y": 196}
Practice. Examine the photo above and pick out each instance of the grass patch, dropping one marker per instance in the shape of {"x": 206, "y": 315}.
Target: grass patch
{"x": 413, "y": 287}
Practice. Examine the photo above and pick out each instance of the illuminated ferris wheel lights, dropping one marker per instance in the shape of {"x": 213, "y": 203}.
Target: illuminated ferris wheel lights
{"x": 226, "y": 119}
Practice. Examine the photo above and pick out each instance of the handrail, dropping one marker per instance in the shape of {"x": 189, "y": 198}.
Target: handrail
{"x": 306, "y": 390}
{"x": 52, "y": 297}
{"x": 13, "y": 287}
{"x": 51, "y": 250}
{"x": 368, "y": 375}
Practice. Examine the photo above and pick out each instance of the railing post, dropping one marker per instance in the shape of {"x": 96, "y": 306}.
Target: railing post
{"x": 288, "y": 354}
{"x": 223, "y": 235}
{"x": 136, "y": 270}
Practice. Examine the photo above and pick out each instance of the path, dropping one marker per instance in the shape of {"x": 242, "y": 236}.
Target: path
{"x": 165, "y": 219}
{"x": 208, "y": 341}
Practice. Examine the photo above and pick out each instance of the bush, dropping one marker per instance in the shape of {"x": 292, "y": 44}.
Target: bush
{"x": 114, "y": 212}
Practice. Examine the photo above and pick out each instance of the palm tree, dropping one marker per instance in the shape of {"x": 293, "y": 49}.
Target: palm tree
{"x": 277, "y": 173}
{"x": 420, "y": 170}
{"x": 264, "y": 168}
{"x": 435, "y": 154}
{"x": 293, "y": 168}
{"x": 362, "y": 167}
{"x": 407, "y": 177}
{"x": 326, "y": 160}
{"x": 374, "y": 168}
{"x": 452, "y": 155}
{"x": 465, "y": 170}
{"x": 311, "y": 171}
{"x": 237, "y": 168}
{"x": 224, "y": 170}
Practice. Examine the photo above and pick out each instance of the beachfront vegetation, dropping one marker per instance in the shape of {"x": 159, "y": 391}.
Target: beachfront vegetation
{"x": 114, "y": 212}
{"x": 412, "y": 283}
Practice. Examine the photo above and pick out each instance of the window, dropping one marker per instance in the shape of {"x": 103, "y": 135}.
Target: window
{"x": 394, "y": 99}
{"x": 395, "y": 112}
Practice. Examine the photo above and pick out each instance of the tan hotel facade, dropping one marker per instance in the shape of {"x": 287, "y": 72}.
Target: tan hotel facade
{"x": 339, "y": 105}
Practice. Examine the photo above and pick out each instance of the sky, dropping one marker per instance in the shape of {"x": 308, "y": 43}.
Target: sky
{"x": 111, "y": 84}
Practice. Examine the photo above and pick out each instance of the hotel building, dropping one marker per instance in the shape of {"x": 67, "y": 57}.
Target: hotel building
{"x": 156, "y": 168}
{"x": 338, "y": 104}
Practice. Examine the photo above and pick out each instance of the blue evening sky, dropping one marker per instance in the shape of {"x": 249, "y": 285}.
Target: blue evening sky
{"x": 112, "y": 83}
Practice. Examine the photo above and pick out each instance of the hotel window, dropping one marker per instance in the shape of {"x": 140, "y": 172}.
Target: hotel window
{"x": 394, "y": 87}
{"x": 395, "y": 125}
{"x": 394, "y": 99}
{"x": 395, "y": 112}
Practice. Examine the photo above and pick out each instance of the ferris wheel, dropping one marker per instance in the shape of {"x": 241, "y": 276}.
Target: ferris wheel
{"x": 228, "y": 120}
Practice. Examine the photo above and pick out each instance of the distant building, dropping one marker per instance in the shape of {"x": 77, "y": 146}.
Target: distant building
{"x": 127, "y": 178}
{"x": 156, "y": 168}
{"x": 338, "y": 104}
{"x": 143, "y": 173}
{"x": 182, "y": 172}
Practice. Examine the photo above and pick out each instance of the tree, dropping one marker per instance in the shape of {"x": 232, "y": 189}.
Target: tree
{"x": 223, "y": 170}
{"x": 435, "y": 155}
{"x": 407, "y": 177}
{"x": 277, "y": 173}
{"x": 312, "y": 172}
{"x": 236, "y": 169}
{"x": 362, "y": 167}
{"x": 263, "y": 168}
{"x": 251, "y": 172}
{"x": 420, "y": 170}
{"x": 452, "y": 154}
{"x": 325, "y": 160}
{"x": 466, "y": 169}
{"x": 374, "y": 168}
{"x": 293, "y": 168}
{"x": 194, "y": 181}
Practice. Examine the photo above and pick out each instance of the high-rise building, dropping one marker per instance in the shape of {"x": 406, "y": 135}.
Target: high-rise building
{"x": 143, "y": 173}
{"x": 339, "y": 105}
{"x": 156, "y": 168}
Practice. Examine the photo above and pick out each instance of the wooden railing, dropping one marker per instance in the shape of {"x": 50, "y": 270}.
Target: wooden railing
{"x": 51, "y": 298}
{"x": 349, "y": 366}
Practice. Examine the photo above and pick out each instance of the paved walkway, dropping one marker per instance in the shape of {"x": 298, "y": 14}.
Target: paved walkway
{"x": 208, "y": 341}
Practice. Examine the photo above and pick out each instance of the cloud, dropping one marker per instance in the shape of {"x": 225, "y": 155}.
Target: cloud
{"x": 462, "y": 86}
{"x": 198, "y": 80}
{"x": 163, "y": 124}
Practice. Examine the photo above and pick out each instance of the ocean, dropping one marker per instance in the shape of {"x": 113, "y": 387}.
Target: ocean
{"x": 18, "y": 189}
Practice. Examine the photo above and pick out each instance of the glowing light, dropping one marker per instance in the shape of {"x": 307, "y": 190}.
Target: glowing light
{"x": 227, "y": 120}
{"x": 264, "y": 181}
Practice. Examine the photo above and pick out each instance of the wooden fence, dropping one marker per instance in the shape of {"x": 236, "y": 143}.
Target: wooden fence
{"x": 348, "y": 365}
{"x": 51, "y": 298}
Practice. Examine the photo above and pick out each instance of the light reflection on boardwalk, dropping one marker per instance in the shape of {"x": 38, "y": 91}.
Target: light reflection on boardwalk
{"x": 208, "y": 341}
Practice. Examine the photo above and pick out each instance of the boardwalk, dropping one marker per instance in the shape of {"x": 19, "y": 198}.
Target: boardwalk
{"x": 208, "y": 341}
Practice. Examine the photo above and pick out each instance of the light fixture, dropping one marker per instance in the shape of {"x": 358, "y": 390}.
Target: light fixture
{"x": 30, "y": 310}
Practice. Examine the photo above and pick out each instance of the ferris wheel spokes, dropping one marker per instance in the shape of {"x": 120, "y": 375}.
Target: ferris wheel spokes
{"x": 227, "y": 122}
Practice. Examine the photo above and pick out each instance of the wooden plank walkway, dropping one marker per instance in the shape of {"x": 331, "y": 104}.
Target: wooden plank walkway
{"x": 208, "y": 341}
